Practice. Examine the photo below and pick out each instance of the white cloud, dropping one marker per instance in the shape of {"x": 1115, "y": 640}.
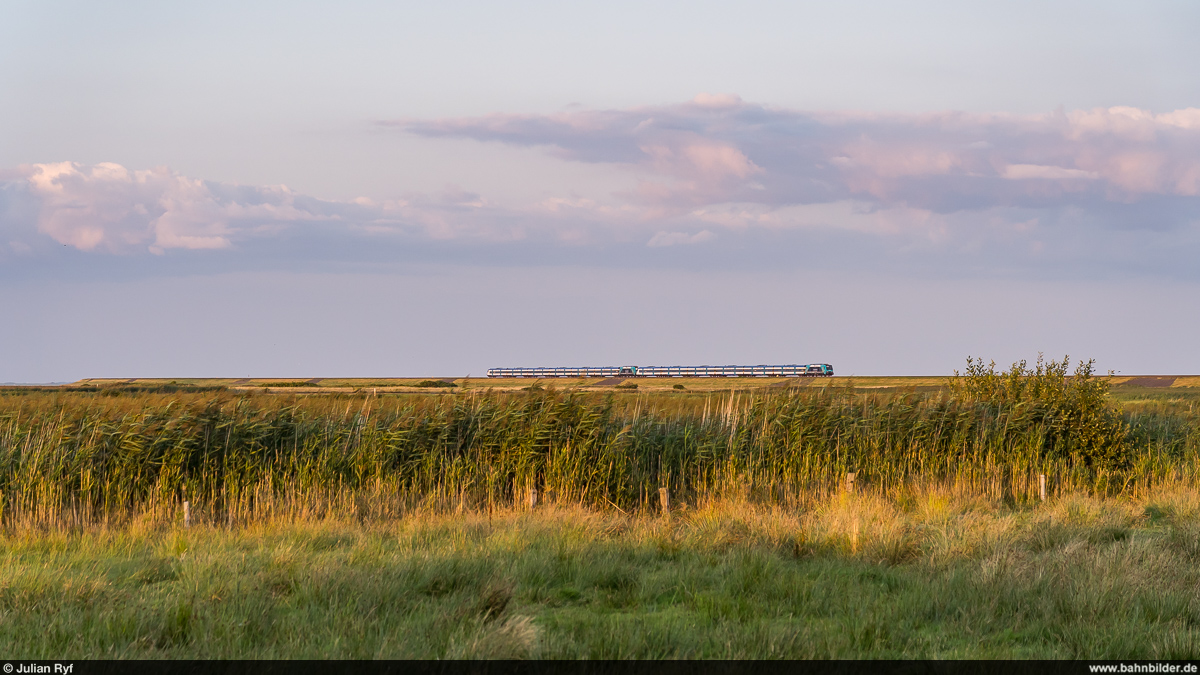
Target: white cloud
{"x": 679, "y": 238}
{"x": 1039, "y": 171}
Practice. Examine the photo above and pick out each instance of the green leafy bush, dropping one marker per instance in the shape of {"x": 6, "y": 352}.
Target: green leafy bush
{"x": 434, "y": 383}
{"x": 1075, "y": 410}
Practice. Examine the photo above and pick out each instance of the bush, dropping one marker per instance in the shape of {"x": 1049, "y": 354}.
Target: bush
{"x": 1075, "y": 408}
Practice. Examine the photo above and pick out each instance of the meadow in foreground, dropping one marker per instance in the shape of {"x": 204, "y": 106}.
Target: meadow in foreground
{"x": 926, "y": 574}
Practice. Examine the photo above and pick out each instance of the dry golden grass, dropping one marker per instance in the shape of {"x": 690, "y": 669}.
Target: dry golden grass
{"x": 924, "y": 572}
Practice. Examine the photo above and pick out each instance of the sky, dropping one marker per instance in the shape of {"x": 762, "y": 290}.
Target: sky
{"x": 316, "y": 189}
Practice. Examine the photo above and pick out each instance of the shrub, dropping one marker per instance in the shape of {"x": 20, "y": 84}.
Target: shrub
{"x": 1075, "y": 409}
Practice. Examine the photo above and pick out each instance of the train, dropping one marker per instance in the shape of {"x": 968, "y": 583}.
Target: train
{"x": 794, "y": 370}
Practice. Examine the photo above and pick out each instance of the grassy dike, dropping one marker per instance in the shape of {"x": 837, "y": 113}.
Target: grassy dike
{"x": 921, "y": 573}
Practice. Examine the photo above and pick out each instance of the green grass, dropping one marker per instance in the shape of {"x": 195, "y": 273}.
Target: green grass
{"x": 360, "y": 525}
{"x": 926, "y": 575}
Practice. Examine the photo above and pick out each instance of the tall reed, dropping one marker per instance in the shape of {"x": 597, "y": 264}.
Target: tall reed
{"x": 81, "y": 458}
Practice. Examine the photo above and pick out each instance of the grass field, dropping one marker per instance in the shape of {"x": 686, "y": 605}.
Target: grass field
{"x": 928, "y": 575}
{"x": 351, "y": 519}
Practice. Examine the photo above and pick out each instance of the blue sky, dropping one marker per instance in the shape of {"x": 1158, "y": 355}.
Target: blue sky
{"x": 287, "y": 189}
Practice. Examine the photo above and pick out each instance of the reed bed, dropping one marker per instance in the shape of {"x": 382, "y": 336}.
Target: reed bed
{"x": 73, "y": 459}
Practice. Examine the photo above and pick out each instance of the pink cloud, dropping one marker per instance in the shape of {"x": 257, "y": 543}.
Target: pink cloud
{"x": 1041, "y": 171}
{"x": 716, "y": 149}
{"x": 897, "y": 161}
{"x": 715, "y": 168}
{"x": 107, "y": 207}
{"x": 1138, "y": 172}
{"x": 661, "y": 239}
{"x": 717, "y": 100}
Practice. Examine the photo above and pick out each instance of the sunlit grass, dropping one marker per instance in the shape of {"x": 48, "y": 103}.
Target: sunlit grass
{"x": 927, "y": 573}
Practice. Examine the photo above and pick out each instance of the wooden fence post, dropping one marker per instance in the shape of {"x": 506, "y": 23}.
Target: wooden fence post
{"x": 664, "y": 499}
{"x": 850, "y": 482}
{"x": 531, "y": 498}
{"x": 187, "y": 515}
{"x": 1042, "y": 486}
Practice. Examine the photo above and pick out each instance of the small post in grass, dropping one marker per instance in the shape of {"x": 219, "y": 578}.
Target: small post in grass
{"x": 187, "y": 515}
{"x": 531, "y": 497}
{"x": 664, "y": 499}
{"x": 850, "y": 482}
{"x": 1042, "y": 486}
